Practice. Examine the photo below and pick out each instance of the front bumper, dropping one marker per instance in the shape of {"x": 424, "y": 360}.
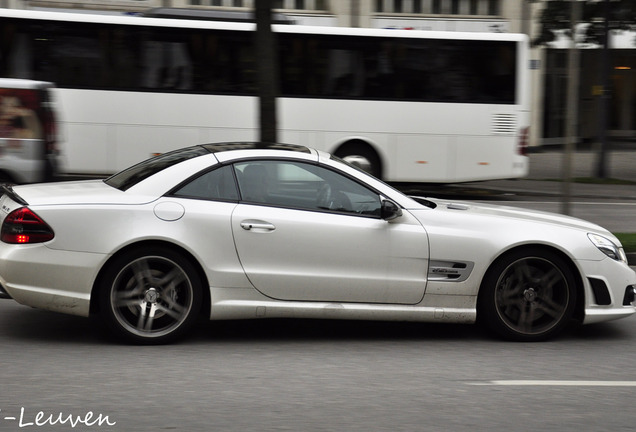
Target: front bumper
{"x": 609, "y": 290}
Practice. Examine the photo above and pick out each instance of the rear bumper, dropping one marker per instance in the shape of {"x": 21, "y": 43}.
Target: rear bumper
{"x": 37, "y": 276}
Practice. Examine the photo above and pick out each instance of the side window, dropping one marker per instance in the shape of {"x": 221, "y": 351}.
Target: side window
{"x": 217, "y": 184}
{"x": 304, "y": 186}
{"x": 340, "y": 193}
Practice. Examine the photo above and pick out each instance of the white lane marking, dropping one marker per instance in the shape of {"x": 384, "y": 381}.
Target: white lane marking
{"x": 572, "y": 383}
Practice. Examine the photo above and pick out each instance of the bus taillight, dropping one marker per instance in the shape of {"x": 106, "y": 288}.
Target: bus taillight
{"x": 522, "y": 144}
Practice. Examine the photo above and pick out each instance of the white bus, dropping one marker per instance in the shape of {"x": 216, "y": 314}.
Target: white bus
{"x": 417, "y": 106}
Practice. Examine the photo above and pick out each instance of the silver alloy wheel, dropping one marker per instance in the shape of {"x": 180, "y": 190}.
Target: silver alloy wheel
{"x": 532, "y": 296}
{"x": 151, "y": 297}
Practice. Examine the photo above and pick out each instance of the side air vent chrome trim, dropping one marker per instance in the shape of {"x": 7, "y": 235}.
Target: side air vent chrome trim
{"x": 451, "y": 271}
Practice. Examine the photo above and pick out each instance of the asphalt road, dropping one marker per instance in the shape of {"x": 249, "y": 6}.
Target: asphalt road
{"x": 312, "y": 376}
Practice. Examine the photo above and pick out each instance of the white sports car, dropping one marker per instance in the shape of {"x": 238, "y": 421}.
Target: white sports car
{"x": 244, "y": 230}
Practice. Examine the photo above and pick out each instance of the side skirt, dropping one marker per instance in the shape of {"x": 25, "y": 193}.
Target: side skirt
{"x": 238, "y": 303}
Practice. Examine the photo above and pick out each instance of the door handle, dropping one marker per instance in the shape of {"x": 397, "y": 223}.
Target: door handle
{"x": 257, "y": 225}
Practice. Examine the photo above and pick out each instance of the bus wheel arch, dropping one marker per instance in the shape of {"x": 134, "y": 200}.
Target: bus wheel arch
{"x": 361, "y": 154}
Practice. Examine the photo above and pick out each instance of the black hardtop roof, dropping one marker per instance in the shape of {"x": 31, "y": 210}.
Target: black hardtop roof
{"x": 131, "y": 176}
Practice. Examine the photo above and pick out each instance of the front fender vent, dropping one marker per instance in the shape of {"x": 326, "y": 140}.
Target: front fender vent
{"x": 451, "y": 271}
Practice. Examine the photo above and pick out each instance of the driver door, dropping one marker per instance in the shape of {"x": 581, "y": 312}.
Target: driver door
{"x": 304, "y": 232}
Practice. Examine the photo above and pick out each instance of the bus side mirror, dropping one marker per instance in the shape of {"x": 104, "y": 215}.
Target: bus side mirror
{"x": 390, "y": 210}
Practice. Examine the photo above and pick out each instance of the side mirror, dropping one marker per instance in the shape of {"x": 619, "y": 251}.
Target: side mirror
{"x": 390, "y": 210}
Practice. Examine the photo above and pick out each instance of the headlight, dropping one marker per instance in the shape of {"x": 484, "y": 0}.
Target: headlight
{"x": 608, "y": 247}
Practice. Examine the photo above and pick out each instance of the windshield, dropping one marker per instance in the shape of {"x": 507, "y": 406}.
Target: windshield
{"x": 131, "y": 176}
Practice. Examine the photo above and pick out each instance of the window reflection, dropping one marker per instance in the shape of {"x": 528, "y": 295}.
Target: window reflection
{"x": 304, "y": 186}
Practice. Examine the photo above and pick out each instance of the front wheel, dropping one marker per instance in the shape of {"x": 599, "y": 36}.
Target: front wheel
{"x": 150, "y": 296}
{"x": 528, "y": 295}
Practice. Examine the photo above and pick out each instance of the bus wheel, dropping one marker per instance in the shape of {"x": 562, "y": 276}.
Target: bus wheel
{"x": 361, "y": 156}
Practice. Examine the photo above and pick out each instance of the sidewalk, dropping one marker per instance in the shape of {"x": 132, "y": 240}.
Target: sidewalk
{"x": 620, "y": 163}
{"x": 547, "y": 165}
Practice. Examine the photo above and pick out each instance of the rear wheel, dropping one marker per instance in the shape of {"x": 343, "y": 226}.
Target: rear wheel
{"x": 528, "y": 295}
{"x": 150, "y": 296}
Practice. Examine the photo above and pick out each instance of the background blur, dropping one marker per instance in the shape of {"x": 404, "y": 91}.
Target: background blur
{"x": 548, "y": 61}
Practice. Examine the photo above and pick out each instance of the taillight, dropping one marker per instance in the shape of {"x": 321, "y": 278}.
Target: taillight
{"x": 522, "y": 145}
{"x": 22, "y": 226}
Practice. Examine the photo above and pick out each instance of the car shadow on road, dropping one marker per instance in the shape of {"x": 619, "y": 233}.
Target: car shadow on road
{"x": 32, "y": 325}
{"x": 332, "y": 330}
{"x": 18, "y": 322}
{"x": 606, "y": 331}
{"x": 26, "y": 324}
{"x": 346, "y": 330}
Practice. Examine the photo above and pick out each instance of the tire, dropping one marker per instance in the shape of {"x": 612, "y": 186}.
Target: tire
{"x": 528, "y": 295}
{"x": 150, "y": 296}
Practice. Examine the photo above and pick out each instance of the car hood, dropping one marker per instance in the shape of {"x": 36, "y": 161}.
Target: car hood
{"x": 509, "y": 213}
{"x": 76, "y": 192}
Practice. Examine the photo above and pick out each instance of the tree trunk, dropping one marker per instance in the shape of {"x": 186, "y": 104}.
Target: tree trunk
{"x": 267, "y": 71}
